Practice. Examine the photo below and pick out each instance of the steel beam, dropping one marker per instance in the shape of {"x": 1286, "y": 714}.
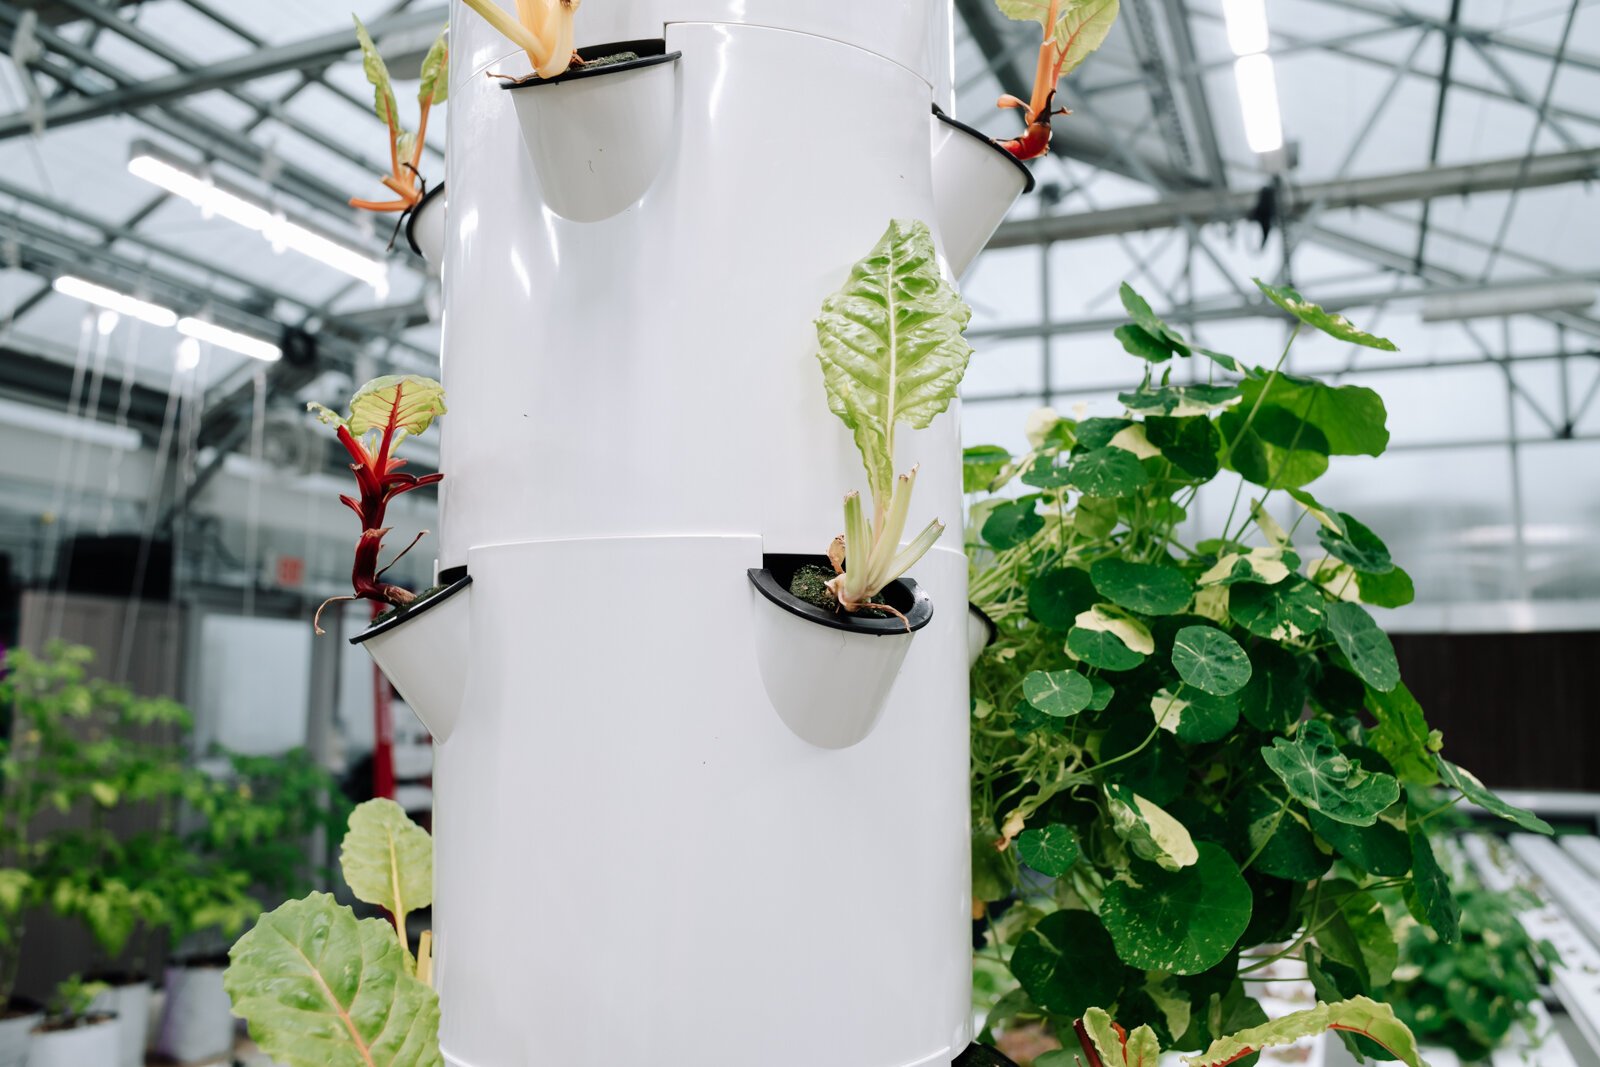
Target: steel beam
{"x": 1210, "y": 207}
{"x": 312, "y": 52}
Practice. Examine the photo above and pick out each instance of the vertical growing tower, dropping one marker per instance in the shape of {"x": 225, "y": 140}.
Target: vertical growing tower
{"x": 639, "y": 859}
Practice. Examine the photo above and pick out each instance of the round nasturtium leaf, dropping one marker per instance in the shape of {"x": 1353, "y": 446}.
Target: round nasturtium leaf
{"x": 1183, "y": 921}
{"x": 1365, "y": 645}
{"x": 1190, "y": 444}
{"x": 1103, "y": 692}
{"x": 1194, "y": 716}
{"x": 1102, "y": 649}
{"x": 1058, "y": 693}
{"x": 1147, "y": 588}
{"x": 1379, "y": 849}
{"x": 1009, "y": 525}
{"x": 1057, "y": 597}
{"x": 1107, "y": 472}
{"x": 1357, "y": 546}
{"x": 1045, "y": 474}
{"x": 1210, "y": 660}
{"x": 1067, "y": 964}
{"x": 1276, "y": 694}
{"x": 981, "y": 465}
{"x": 1050, "y": 850}
{"x": 1288, "y": 611}
{"x": 1392, "y": 590}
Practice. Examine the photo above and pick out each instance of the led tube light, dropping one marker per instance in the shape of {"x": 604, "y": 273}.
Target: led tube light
{"x": 214, "y": 200}
{"x": 1257, "y": 83}
{"x": 111, "y": 300}
{"x": 245, "y": 345}
{"x": 1247, "y": 26}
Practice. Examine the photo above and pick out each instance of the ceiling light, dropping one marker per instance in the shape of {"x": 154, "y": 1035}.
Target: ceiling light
{"x": 1247, "y": 26}
{"x": 214, "y": 200}
{"x": 1258, "y": 100}
{"x": 188, "y": 354}
{"x": 212, "y": 334}
{"x": 111, "y": 300}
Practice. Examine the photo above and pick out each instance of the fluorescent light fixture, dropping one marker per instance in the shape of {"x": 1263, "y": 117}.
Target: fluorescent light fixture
{"x": 212, "y": 334}
{"x": 111, "y": 300}
{"x": 1258, "y": 100}
{"x": 1520, "y": 300}
{"x": 213, "y": 200}
{"x": 90, "y": 431}
{"x": 1247, "y": 26}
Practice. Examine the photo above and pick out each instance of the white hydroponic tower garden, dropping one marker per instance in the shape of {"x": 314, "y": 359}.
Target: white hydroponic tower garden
{"x": 675, "y": 824}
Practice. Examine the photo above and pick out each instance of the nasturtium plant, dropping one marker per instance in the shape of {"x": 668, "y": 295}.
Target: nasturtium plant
{"x": 322, "y": 988}
{"x": 1213, "y": 718}
{"x": 892, "y": 351}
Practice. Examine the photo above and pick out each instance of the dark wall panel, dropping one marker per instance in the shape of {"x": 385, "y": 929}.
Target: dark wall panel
{"x": 1522, "y": 711}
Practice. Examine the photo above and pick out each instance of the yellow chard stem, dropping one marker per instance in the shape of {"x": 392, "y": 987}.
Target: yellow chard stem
{"x": 561, "y": 51}
{"x": 517, "y": 33}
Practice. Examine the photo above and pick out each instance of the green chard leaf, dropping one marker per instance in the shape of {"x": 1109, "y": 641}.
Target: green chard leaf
{"x": 321, "y": 988}
{"x": 1335, "y": 326}
{"x": 1324, "y": 779}
{"x": 1136, "y": 1048}
{"x": 891, "y": 346}
{"x": 377, "y": 73}
{"x": 435, "y": 88}
{"x": 410, "y": 401}
{"x": 1358, "y": 1015}
{"x": 387, "y": 859}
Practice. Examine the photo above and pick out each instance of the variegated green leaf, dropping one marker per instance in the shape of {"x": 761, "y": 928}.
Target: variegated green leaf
{"x": 436, "y": 72}
{"x": 892, "y": 349}
{"x": 378, "y": 75}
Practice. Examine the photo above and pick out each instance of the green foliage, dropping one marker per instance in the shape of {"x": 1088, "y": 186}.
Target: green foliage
{"x": 321, "y": 988}
{"x": 377, "y": 72}
{"x": 1470, "y": 997}
{"x": 1244, "y": 765}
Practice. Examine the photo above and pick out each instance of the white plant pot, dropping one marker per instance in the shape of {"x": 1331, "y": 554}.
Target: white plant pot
{"x": 198, "y": 1023}
{"x": 981, "y": 633}
{"x": 975, "y": 183}
{"x": 96, "y": 1044}
{"x": 15, "y": 1035}
{"x": 130, "y": 1003}
{"x": 828, "y": 674}
{"x": 423, "y": 651}
{"x": 425, "y": 228}
{"x": 598, "y": 135}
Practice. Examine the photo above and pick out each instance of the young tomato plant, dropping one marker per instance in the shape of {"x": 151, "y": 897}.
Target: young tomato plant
{"x": 312, "y": 961}
{"x": 383, "y": 413}
{"x": 405, "y": 149}
{"x": 1192, "y": 752}
{"x": 1073, "y": 29}
{"x": 542, "y": 28}
{"x": 892, "y": 351}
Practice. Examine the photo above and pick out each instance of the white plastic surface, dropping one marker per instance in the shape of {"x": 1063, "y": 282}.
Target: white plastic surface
{"x": 98, "y": 1045}
{"x": 14, "y": 1038}
{"x": 426, "y": 658}
{"x": 974, "y": 186}
{"x": 979, "y": 634}
{"x": 656, "y": 373}
{"x": 597, "y": 142}
{"x": 427, "y": 230}
{"x": 621, "y": 770}
{"x": 827, "y": 685}
{"x": 894, "y": 29}
{"x": 197, "y": 1023}
{"x": 131, "y": 1005}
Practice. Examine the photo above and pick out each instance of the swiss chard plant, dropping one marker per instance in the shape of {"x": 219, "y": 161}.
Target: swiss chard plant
{"x": 541, "y": 28}
{"x": 1107, "y": 1044}
{"x": 383, "y": 413}
{"x": 892, "y": 352}
{"x": 404, "y": 179}
{"x": 1073, "y": 30}
{"x": 1193, "y": 754}
{"x": 320, "y": 987}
